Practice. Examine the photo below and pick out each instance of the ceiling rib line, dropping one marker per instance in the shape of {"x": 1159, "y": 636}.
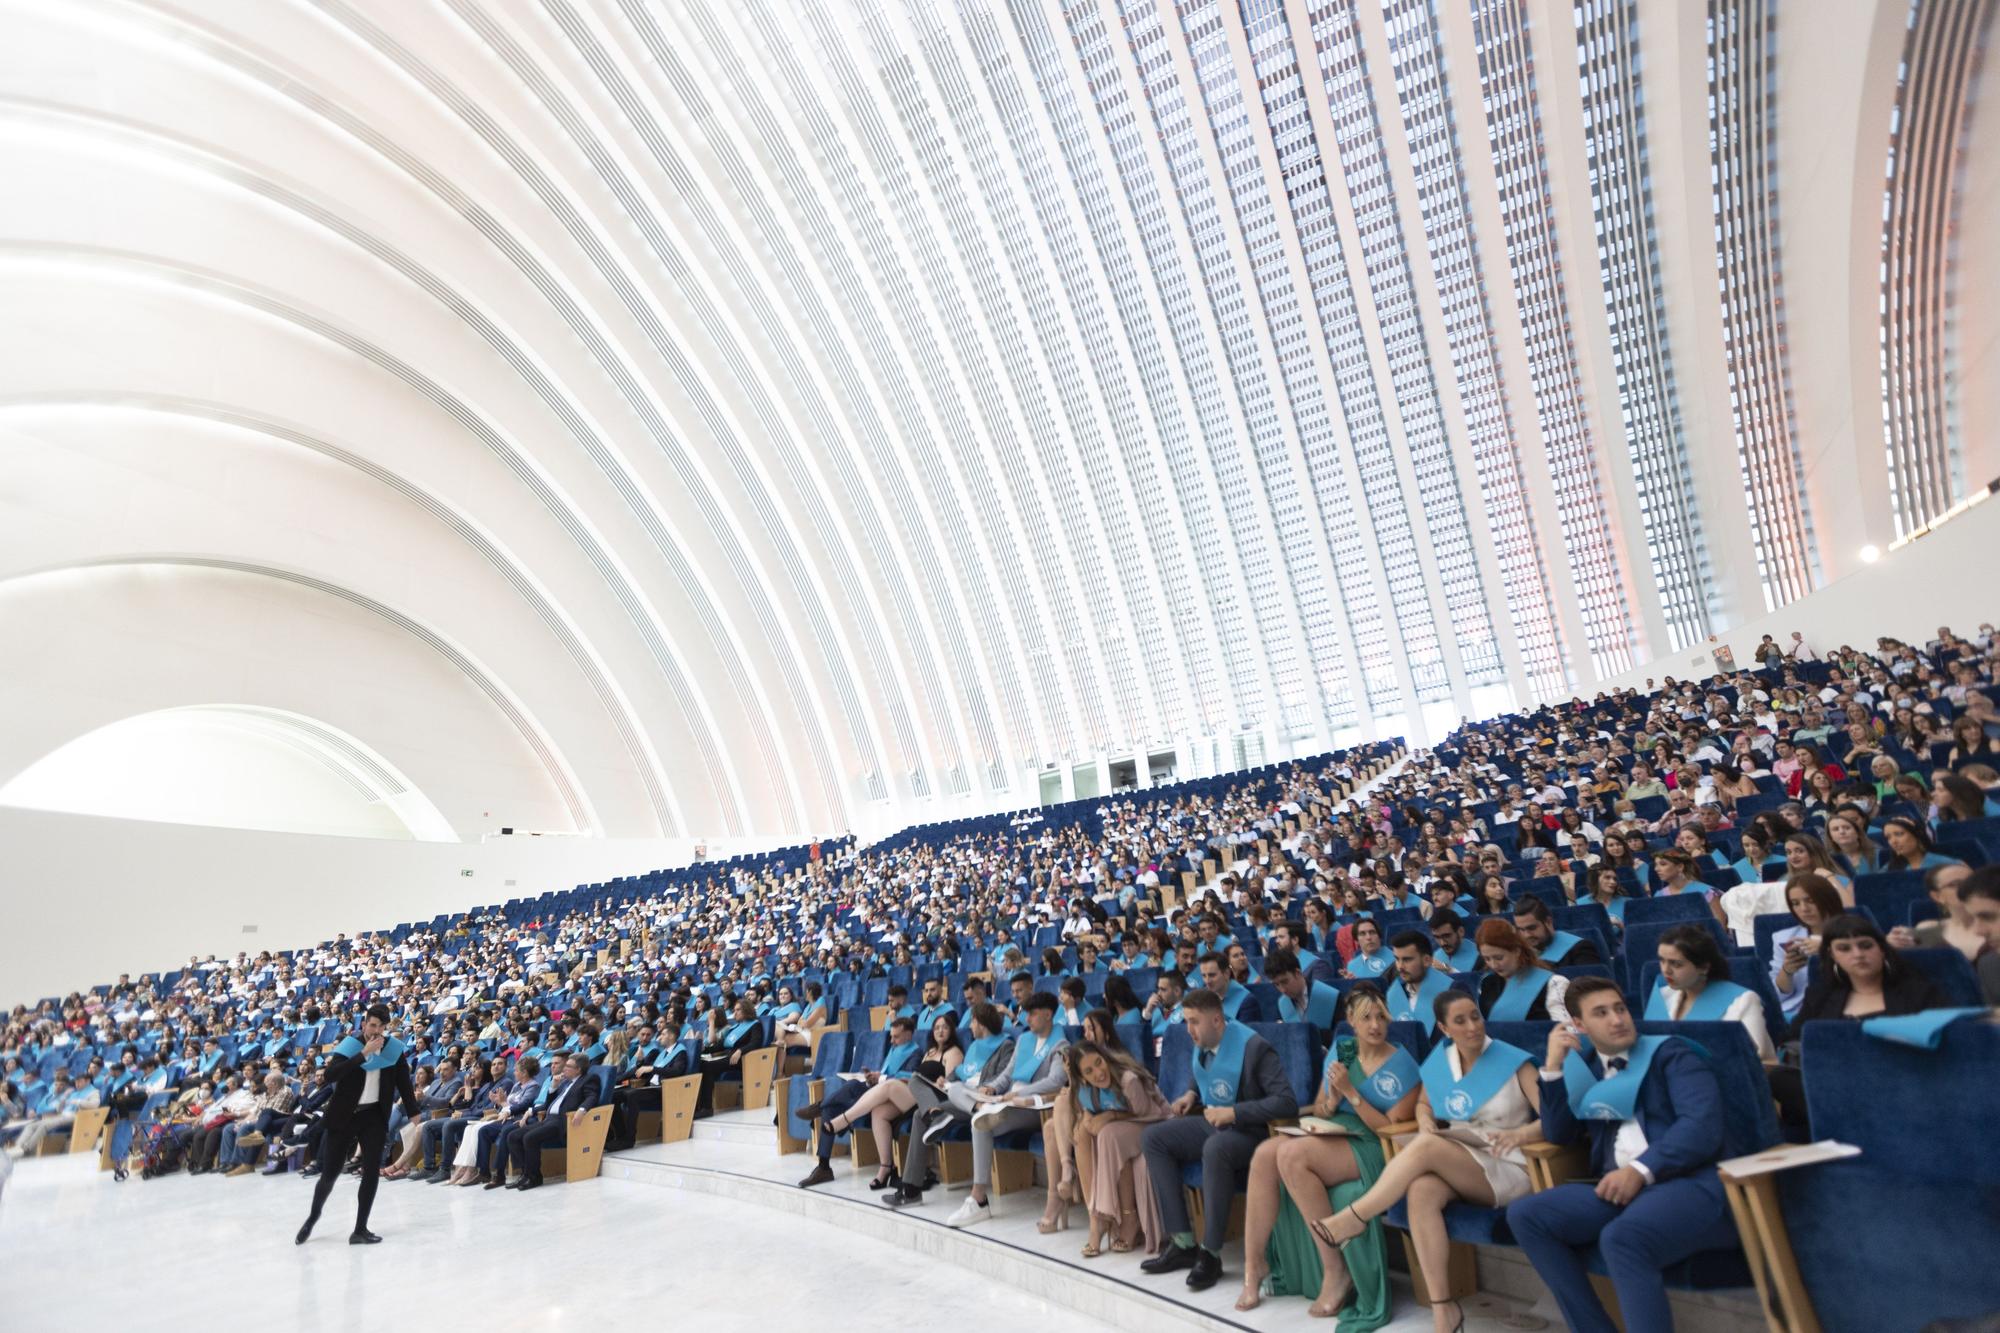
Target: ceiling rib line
{"x": 672, "y": 821}
{"x": 544, "y": 747}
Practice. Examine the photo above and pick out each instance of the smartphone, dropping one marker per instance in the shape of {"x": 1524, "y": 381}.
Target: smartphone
{"x": 1344, "y": 1049}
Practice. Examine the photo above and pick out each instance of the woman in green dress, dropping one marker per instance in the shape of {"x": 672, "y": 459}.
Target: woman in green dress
{"x": 1369, "y": 1083}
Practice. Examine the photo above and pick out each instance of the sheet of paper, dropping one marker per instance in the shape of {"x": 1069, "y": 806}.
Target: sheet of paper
{"x": 1786, "y": 1157}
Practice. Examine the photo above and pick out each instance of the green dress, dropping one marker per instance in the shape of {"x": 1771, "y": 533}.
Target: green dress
{"x": 1294, "y": 1258}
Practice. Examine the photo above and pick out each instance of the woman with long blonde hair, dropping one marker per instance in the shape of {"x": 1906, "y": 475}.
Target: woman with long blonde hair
{"x": 1111, "y": 1099}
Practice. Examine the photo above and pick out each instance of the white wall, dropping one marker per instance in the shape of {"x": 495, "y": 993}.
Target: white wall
{"x": 86, "y": 898}
{"x": 1942, "y": 578}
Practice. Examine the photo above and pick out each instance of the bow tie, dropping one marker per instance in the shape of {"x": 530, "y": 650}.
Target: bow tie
{"x": 1616, "y": 1064}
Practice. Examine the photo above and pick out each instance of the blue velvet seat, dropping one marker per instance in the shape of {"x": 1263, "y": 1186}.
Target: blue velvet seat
{"x": 1929, "y": 1213}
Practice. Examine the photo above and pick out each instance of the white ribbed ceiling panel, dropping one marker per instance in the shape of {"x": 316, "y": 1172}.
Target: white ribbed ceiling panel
{"x": 786, "y": 416}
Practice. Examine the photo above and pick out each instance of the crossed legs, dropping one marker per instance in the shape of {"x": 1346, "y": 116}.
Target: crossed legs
{"x": 1430, "y": 1173}
{"x": 1306, "y": 1168}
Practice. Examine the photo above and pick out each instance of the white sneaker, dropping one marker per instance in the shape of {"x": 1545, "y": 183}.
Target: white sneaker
{"x": 970, "y": 1213}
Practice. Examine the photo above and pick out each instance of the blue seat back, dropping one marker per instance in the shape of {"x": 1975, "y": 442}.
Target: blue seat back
{"x": 866, "y": 1051}
{"x": 1294, "y": 1045}
{"x": 1750, "y": 1115}
{"x": 1672, "y": 909}
{"x": 1927, "y": 1213}
{"x": 1642, "y": 943}
{"x": 831, "y": 1057}
{"x": 1950, "y": 970}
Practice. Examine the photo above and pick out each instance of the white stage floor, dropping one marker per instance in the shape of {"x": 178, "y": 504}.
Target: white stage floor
{"x": 180, "y": 1254}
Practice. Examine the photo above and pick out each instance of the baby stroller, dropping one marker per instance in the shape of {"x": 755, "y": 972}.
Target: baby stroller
{"x": 154, "y": 1149}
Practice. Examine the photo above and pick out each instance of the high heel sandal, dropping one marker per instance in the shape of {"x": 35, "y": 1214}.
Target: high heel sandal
{"x": 1055, "y": 1217}
{"x": 1459, "y": 1327}
{"x": 1119, "y": 1243}
{"x": 888, "y": 1182}
{"x": 1325, "y": 1233}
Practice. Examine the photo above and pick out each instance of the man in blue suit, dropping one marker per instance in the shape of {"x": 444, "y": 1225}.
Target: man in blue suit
{"x": 1652, "y": 1109}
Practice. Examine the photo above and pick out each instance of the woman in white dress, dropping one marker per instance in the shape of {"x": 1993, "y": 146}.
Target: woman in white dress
{"x": 1481, "y": 1104}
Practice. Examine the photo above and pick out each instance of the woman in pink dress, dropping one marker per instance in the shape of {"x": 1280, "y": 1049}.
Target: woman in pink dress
{"x": 1112, "y": 1100}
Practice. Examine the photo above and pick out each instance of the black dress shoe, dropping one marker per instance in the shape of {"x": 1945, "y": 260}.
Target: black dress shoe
{"x": 1206, "y": 1271}
{"x": 531, "y": 1183}
{"x": 1172, "y": 1259}
{"x": 497, "y": 1183}
{"x": 810, "y": 1112}
{"x": 819, "y": 1175}
{"x": 364, "y": 1237}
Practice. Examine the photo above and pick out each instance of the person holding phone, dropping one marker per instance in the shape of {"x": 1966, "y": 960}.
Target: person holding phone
{"x": 1369, "y": 1083}
{"x": 367, "y": 1071}
{"x": 1651, "y": 1109}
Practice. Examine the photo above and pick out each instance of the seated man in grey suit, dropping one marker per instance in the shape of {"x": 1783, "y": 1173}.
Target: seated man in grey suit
{"x": 1035, "y": 1069}
{"x": 1239, "y": 1088}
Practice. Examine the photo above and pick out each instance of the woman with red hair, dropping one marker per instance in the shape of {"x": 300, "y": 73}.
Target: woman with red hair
{"x": 1517, "y": 985}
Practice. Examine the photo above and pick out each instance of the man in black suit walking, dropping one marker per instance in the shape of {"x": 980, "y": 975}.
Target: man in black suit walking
{"x": 368, "y": 1071}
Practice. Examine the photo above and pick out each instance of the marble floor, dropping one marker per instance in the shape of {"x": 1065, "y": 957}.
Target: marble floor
{"x": 82, "y": 1252}
{"x": 734, "y": 1156}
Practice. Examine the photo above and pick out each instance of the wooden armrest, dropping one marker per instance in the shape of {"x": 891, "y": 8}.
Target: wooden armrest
{"x": 1395, "y": 1127}
{"x": 1545, "y": 1151}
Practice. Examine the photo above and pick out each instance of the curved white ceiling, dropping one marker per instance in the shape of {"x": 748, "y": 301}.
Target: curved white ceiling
{"x": 786, "y": 416}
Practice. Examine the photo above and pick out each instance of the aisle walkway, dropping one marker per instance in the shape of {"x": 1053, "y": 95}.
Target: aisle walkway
{"x": 177, "y": 1255}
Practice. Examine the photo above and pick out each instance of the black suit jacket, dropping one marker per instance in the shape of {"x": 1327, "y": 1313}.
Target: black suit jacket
{"x": 347, "y": 1078}
{"x": 580, "y": 1095}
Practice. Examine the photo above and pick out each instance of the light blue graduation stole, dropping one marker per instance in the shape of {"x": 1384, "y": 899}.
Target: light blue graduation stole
{"x": 1163, "y": 1021}
{"x": 1028, "y": 1052}
{"x": 1460, "y": 1099}
{"x": 1707, "y": 1007}
{"x": 976, "y": 1056}
{"x": 1387, "y": 1085}
{"x": 1615, "y": 909}
{"x": 930, "y": 1014}
{"x": 898, "y": 1058}
{"x": 1924, "y": 1029}
{"x": 1592, "y": 1098}
{"x": 1560, "y": 943}
{"x": 1233, "y": 998}
{"x": 1307, "y": 961}
{"x": 1217, "y": 1073}
{"x": 1322, "y": 1005}
{"x": 124, "y": 1076}
{"x": 1750, "y": 874}
{"x": 736, "y": 1030}
{"x": 1518, "y": 996}
{"x": 1403, "y": 1009}
{"x": 210, "y": 1059}
{"x": 785, "y": 1011}
{"x": 1318, "y": 935}
{"x": 1466, "y": 959}
{"x": 392, "y": 1051}
{"x": 1371, "y": 964}
{"x": 276, "y": 1045}
{"x": 1094, "y": 1099}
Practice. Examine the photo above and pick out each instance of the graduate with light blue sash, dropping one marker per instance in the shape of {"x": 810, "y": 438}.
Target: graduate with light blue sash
{"x": 901, "y": 1061}
{"x": 1559, "y": 946}
{"x": 1465, "y": 958}
{"x": 1028, "y": 1052}
{"x": 1460, "y": 1098}
{"x": 1518, "y": 994}
{"x": 1218, "y": 1073}
{"x": 1387, "y": 1085}
{"x": 1365, "y": 966}
{"x": 1322, "y": 1006}
{"x": 1233, "y": 1000}
{"x": 1613, "y": 1098}
{"x": 976, "y": 1055}
{"x": 392, "y": 1051}
{"x": 1711, "y": 1005}
{"x": 1404, "y": 1009}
